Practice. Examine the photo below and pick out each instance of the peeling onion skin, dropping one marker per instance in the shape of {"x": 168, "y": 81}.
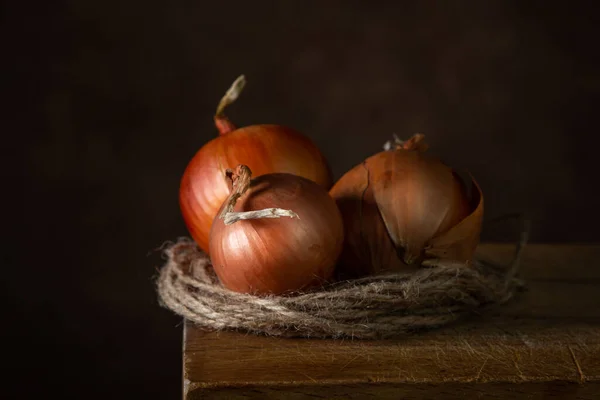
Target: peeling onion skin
{"x": 403, "y": 209}
{"x": 284, "y": 255}
{"x": 263, "y": 148}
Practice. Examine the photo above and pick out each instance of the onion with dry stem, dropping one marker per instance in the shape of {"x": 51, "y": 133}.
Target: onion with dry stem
{"x": 403, "y": 209}
{"x": 264, "y": 148}
{"x": 254, "y": 250}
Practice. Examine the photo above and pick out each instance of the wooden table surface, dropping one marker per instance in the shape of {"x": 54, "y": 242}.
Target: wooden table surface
{"x": 545, "y": 343}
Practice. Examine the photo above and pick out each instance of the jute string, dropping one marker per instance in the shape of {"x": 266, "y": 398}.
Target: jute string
{"x": 368, "y": 308}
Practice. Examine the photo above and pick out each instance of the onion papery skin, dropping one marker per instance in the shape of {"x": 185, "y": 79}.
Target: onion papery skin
{"x": 403, "y": 209}
{"x": 264, "y": 149}
{"x": 284, "y": 255}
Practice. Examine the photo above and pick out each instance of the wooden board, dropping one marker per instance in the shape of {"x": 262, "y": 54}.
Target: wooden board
{"x": 543, "y": 344}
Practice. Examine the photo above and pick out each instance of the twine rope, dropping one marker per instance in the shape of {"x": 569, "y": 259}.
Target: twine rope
{"x": 373, "y": 307}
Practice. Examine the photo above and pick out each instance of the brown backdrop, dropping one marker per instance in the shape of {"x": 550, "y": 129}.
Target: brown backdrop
{"x": 108, "y": 100}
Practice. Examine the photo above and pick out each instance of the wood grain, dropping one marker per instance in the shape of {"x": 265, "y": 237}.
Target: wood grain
{"x": 543, "y": 344}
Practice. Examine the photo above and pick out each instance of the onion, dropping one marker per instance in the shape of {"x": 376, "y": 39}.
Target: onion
{"x": 264, "y": 148}
{"x": 403, "y": 209}
{"x": 253, "y": 251}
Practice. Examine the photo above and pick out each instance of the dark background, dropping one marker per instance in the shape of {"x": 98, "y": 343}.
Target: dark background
{"x": 106, "y": 102}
